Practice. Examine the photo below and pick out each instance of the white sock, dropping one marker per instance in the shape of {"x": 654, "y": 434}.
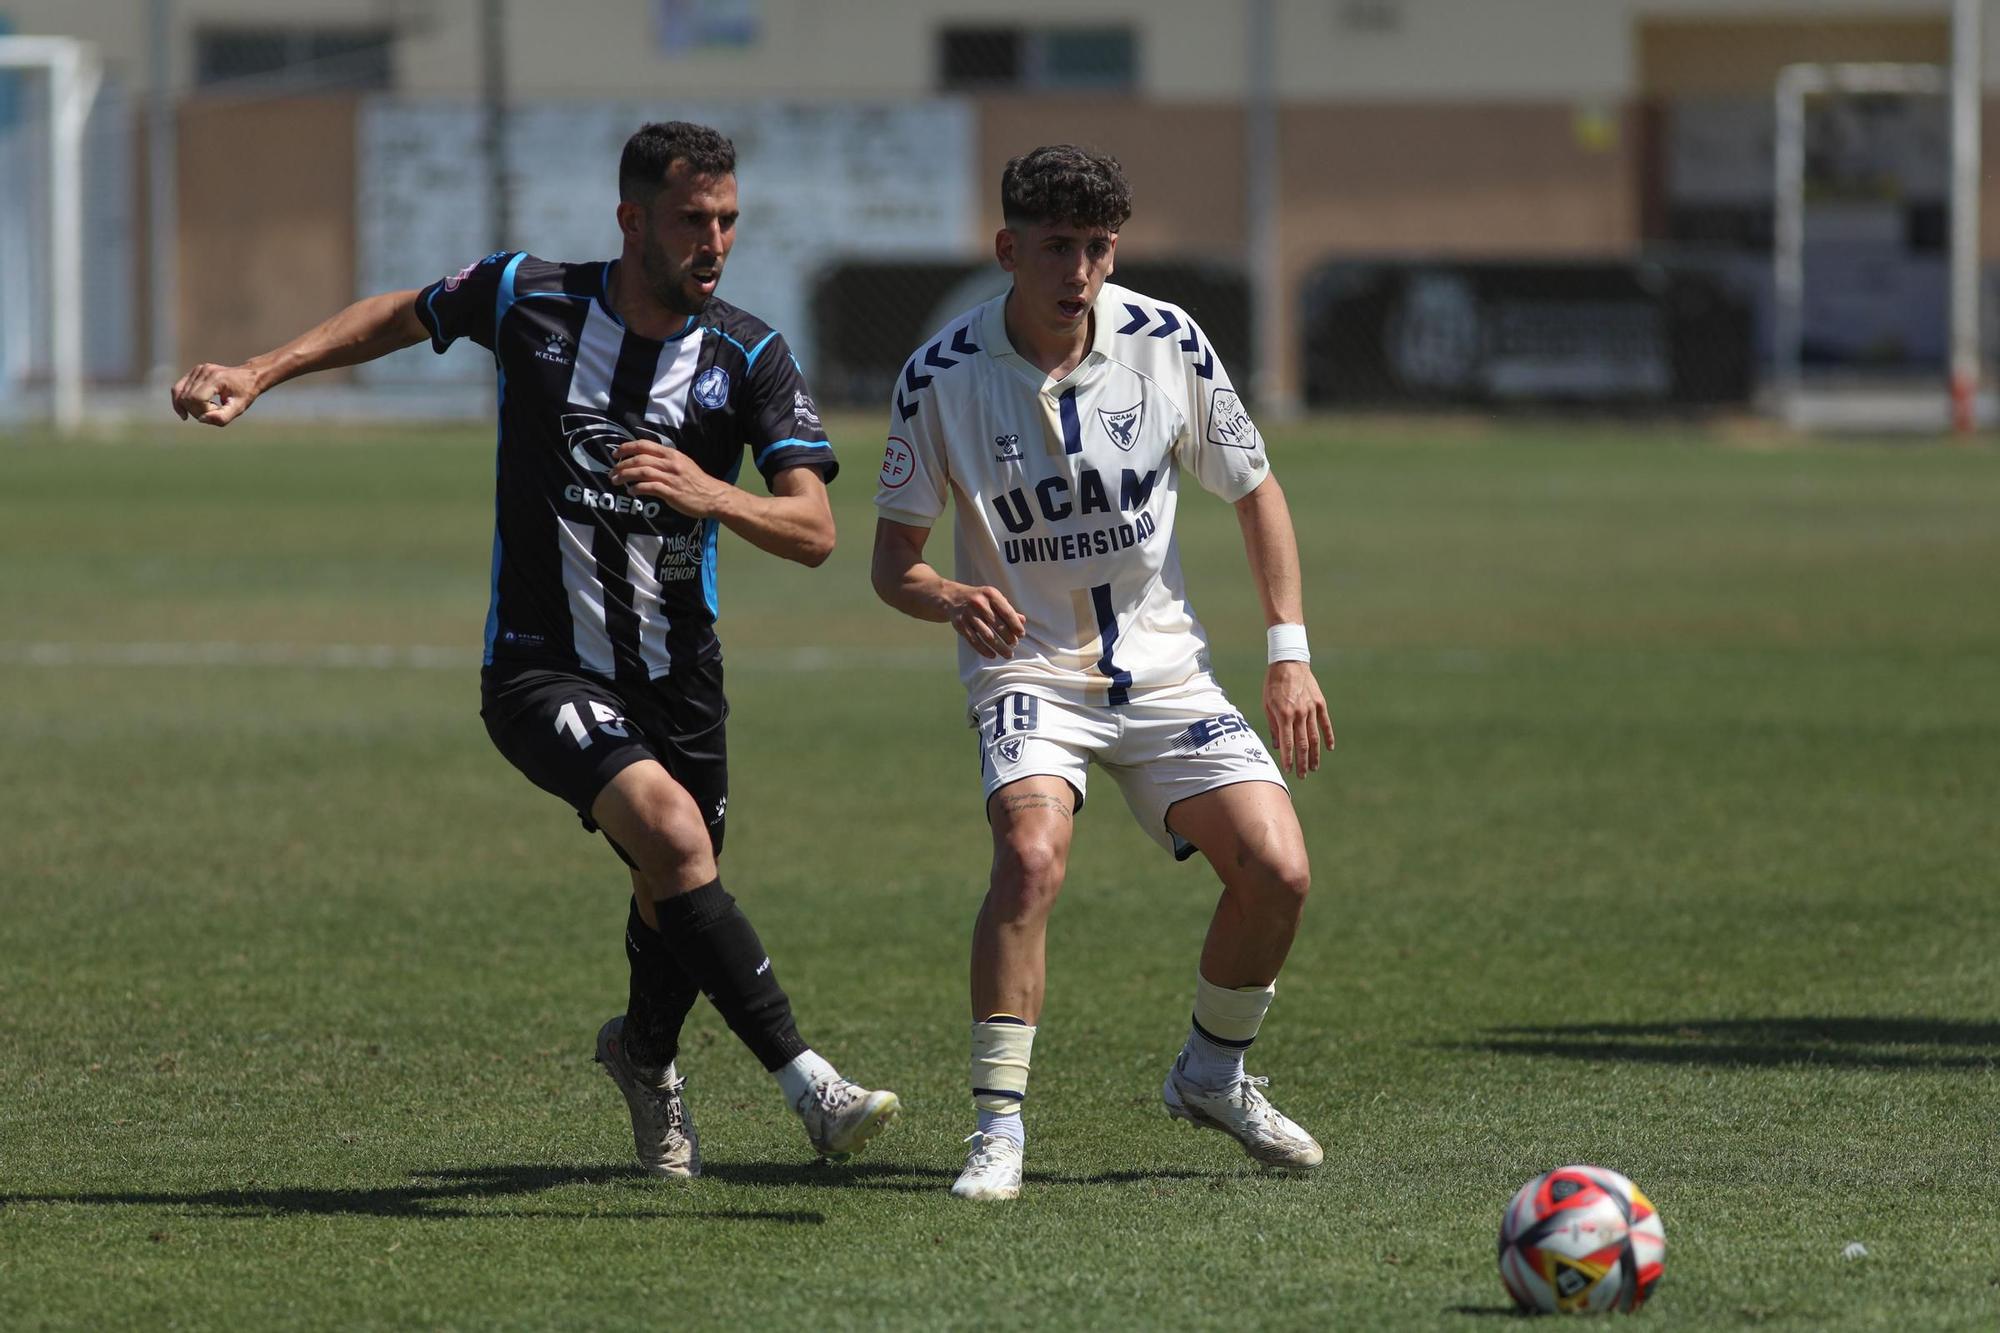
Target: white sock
{"x": 805, "y": 1070}
{"x": 1003, "y": 1125}
{"x": 1210, "y": 1065}
{"x": 1225, "y": 1023}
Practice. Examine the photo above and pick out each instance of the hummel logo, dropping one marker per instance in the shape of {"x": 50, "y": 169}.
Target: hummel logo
{"x": 1009, "y": 447}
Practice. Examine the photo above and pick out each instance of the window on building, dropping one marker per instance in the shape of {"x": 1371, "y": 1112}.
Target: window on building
{"x": 987, "y": 59}
{"x": 292, "y": 58}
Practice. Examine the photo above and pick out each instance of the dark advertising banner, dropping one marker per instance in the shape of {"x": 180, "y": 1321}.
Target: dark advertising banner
{"x": 869, "y": 315}
{"x": 1416, "y": 333}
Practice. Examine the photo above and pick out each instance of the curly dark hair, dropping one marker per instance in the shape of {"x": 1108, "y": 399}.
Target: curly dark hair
{"x": 1062, "y": 184}
{"x": 649, "y": 153}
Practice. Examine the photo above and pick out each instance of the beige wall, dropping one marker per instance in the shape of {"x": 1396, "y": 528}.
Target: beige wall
{"x": 1362, "y": 179}
{"x": 1743, "y": 56}
{"x": 266, "y": 222}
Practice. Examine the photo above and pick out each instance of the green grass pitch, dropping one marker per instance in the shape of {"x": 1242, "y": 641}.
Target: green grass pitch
{"x": 1662, "y": 834}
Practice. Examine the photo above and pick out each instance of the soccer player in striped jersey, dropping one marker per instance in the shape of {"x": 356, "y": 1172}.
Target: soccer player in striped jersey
{"x": 1057, "y": 419}
{"x": 629, "y": 395}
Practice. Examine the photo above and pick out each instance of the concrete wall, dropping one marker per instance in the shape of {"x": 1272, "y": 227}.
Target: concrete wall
{"x": 266, "y": 222}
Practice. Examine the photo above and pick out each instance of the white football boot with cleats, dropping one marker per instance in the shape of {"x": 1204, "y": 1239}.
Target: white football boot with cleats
{"x": 662, "y": 1130}
{"x": 841, "y": 1117}
{"x": 1245, "y": 1114}
{"x": 992, "y": 1170}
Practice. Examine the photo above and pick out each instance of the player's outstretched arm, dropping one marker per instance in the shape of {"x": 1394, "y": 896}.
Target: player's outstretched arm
{"x": 375, "y": 326}
{"x": 1293, "y": 705}
{"x": 983, "y": 617}
{"x": 795, "y": 521}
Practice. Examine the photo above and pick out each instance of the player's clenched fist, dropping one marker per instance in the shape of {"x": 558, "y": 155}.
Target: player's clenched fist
{"x": 214, "y": 395}
{"x": 985, "y": 619}
{"x": 647, "y": 467}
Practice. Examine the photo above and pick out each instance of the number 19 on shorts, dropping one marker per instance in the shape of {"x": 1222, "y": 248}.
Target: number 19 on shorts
{"x": 1015, "y": 712}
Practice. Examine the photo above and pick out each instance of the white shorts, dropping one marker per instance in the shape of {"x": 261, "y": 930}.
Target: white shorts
{"x": 1161, "y": 748}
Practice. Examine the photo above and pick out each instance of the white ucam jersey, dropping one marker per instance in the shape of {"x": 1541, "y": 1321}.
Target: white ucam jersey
{"x": 1064, "y": 490}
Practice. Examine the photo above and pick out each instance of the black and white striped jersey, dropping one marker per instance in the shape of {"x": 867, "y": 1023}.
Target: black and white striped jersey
{"x": 585, "y": 575}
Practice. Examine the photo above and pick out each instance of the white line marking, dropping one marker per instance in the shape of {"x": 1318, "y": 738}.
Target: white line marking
{"x": 412, "y": 657}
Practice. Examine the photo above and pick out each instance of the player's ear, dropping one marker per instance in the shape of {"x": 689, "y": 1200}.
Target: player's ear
{"x": 1003, "y": 248}
{"x": 631, "y": 220}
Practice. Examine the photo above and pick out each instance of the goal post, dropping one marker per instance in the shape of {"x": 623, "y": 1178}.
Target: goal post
{"x": 73, "y": 74}
{"x": 1961, "y": 84}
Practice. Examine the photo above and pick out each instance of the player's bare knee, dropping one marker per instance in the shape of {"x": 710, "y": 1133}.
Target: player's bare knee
{"x": 1027, "y": 876}
{"x": 1273, "y": 868}
{"x": 666, "y": 824}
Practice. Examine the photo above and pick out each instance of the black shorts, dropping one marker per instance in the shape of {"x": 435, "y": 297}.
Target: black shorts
{"x": 572, "y": 732}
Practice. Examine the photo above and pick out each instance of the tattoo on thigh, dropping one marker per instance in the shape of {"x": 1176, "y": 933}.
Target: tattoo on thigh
{"x": 1036, "y": 801}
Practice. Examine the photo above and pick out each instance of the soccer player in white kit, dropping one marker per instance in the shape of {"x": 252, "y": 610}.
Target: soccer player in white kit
{"x": 1057, "y": 419}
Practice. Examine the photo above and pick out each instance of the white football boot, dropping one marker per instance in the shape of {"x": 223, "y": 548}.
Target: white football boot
{"x": 841, "y": 1117}
{"x": 662, "y": 1129}
{"x": 992, "y": 1169}
{"x": 1245, "y": 1114}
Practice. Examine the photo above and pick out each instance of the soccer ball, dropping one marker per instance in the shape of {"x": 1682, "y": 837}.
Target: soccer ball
{"x": 1579, "y": 1240}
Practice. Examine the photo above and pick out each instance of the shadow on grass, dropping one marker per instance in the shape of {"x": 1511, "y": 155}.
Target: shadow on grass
{"x": 431, "y": 1195}
{"x": 441, "y": 1194}
{"x": 1843, "y": 1043}
{"x": 881, "y": 1175}
{"x": 1487, "y": 1311}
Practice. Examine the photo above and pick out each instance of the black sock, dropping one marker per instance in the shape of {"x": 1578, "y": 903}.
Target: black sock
{"x": 661, "y": 995}
{"x": 714, "y": 943}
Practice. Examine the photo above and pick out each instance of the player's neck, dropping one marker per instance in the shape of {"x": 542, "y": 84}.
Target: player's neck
{"x": 636, "y": 306}
{"x": 1054, "y": 352}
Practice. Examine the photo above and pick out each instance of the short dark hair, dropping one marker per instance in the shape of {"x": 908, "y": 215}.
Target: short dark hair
{"x": 1062, "y": 184}
{"x": 651, "y": 152}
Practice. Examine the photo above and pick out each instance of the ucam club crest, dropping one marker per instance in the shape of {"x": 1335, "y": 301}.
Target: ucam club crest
{"x": 1123, "y": 426}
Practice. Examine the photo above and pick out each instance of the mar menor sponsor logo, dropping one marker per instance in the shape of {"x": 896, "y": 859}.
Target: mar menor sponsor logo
{"x": 557, "y": 349}
{"x": 1123, "y": 426}
{"x": 1229, "y": 425}
{"x": 711, "y": 387}
{"x": 1007, "y": 448}
{"x": 680, "y": 556}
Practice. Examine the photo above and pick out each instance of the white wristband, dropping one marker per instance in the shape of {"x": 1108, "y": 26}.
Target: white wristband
{"x": 1286, "y": 643}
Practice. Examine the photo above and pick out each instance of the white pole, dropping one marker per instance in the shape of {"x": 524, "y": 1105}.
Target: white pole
{"x": 163, "y": 208}
{"x": 73, "y": 78}
{"x": 1275, "y": 401}
{"x": 1966, "y": 59}
{"x": 72, "y": 88}
{"x": 1788, "y": 239}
